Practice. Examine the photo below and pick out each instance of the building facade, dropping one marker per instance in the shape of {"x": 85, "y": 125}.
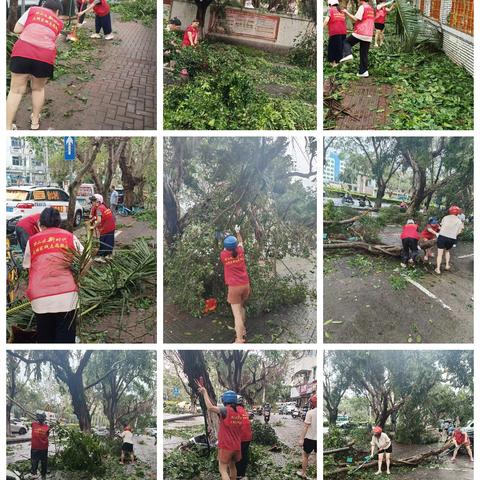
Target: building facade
{"x": 334, "y": 166}
{"x": 303, "y": 378}
{"x": 454, "y": 19}
{"x": 24, "y": 166}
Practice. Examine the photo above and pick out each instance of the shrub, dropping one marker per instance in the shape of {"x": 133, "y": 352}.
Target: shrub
{"x": 144, "y": 11}
{"x": 335, "y": 438}
{"x": 304, "y": 51}
{"x": 263, "y": 434}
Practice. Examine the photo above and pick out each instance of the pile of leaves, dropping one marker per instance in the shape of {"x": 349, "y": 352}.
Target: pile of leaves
{"x": 144, "y": 11}
{"x": 264, "y": 434}
{"x": 236, "y": 87}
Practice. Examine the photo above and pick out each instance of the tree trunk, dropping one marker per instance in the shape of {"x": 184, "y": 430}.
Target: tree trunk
{"x": 12, "y": 15}
{"x": 171, "y": 212}
{"x": 129, "y": 181}
{"x": 79, "y": 401}
{"x": 332, "y": 415}
{"x": 73, "y": 187}
{"x": 381, "y": 188}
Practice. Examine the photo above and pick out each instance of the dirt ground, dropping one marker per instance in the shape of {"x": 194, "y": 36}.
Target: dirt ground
{"x": 296, "y": 324}
{"x": 363, "y": 307}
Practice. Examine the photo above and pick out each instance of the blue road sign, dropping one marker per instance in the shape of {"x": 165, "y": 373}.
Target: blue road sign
{"x": 176, "y": 392}
{"x": 69, "y": 147}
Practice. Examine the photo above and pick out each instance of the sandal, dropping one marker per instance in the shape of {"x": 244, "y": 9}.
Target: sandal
{"x": 447, "y": 268}
{"x": 34, "y": 126}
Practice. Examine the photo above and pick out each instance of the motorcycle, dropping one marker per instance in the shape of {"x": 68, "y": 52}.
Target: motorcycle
{"x": 266, "y": 416}
{"x": 295, "y": 413}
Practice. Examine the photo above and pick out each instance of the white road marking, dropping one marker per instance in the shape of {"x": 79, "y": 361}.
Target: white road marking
{"x": 428, "y": 293}
{"x": 118, "y": 233}
{"x": 466, "y": 256}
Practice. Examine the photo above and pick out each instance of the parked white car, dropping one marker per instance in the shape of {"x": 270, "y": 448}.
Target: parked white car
{"x": 19, "y": 427}
{"x": 28, "y": 200}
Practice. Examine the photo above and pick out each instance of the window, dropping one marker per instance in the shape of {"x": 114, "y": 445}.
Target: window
{"x": 57, "y": 195}
{"x": 16, "y": 143}
{"x": 461, "y": 16}
{"x": 17, "y": 161}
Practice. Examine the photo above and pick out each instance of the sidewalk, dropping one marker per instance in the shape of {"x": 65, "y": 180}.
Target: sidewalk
{"x": 119, "y": 92}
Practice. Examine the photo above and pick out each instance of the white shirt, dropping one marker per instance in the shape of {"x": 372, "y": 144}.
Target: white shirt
{"x": 311, "y": 421}
{"x": 382, "y": 442}
{"x": 451, "y": 226}
{"x": 65, "y": 302}
{"x": 127, "y": 436}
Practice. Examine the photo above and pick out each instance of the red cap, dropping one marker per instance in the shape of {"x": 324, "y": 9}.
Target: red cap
{"x": 454, "y": 210}
{"x": 377, "y": 430}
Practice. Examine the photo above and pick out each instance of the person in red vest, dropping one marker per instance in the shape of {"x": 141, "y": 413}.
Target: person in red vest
{"x": 25, "y": 228}
{"x": 460, "y": 439}
{"x": 381, "y": 12}
{"x": 103, "y": 220}
{"x": 409, "y": 237}
{"x": 428, "y": 238}
{"x": 362, "y": 34}
{"x": 39, "y": 451}
{"x": 103, "y": 19}
{"x": 229, "y": 432}
{"x": 246, "y": 437}
{"x": 337, "y": 31}
{"x": 237, "y": 280}
{"x": 33, "y": 58}
{"x": 52, "y": 289}
{"x": 190, "y": 36}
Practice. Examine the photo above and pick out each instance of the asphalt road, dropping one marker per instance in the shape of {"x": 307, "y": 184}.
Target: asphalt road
{"x": 365, "y": 308}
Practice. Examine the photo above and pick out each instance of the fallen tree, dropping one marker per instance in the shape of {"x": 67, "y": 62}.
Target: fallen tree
{"x": 332, "y": 451}
{"x": 377, "y": 249}
{"x": 409, "y": 461}
{"x": 348, "y": 220}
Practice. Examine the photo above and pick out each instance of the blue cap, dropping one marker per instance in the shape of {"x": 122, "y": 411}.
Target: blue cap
{"x": 432, "y": 220}
{"x": 229, "y": 397}
{"x": 230, "y": 242}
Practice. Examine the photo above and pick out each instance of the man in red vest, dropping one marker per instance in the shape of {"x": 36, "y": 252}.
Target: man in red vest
{"x": 25, "y": 228}
{"x": 364, "y": 25}
{"x": 246, "y": 437}
{"x": 103, "y": 19}
{"x": 39, "y": 452}
{"x": 229, "y": 432}
{"x": 103, "y": 220}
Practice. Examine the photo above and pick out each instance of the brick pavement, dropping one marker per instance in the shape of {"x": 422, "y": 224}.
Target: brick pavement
{"x": 368, "y": 103}
{"x": 120, "y": 96}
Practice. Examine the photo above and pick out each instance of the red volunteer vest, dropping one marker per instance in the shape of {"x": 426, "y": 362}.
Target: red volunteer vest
{"x": 30, "y": 223}
{"x": 230, "y": 430}
{"x": 246, "y": 434}
{"x": 410, "y": 231}
{"x": 235, "y": 269}
{"x": 381, "y": 15}
{"x": 50, "y": 272}
{"x": 430, "y": 236}
{"x": 186, "y": 41}
{"x": 40, "y": 436}
{"x": 102, "y": 9}
{"x": 366, "y": 25}
{"x": 107, "y": 224}
{"x": 337, "y": 24}
{"x": 40, "y": 32}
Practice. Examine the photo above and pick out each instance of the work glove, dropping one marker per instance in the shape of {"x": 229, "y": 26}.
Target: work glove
{"x": 237, "y": 228}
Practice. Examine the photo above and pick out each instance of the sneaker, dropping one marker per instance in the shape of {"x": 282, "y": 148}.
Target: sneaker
{"x": 404, "y": 265}
{"x": 100, "y": 259}
{"x": 363, "y": 75}
{"x": 300, "y": 474}
{"x": 378, "y": 473}
{"x": 109, "y": 36}
{"x": 347, "y": 58}
{"x": 95, "y": 35}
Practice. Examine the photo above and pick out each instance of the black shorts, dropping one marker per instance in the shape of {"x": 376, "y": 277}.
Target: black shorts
{"x": 36, "y": 68}
{"x": 127, "y": 447}
{"x": 445, "y": 243}
{"x": 386, "y": 450}
{"x": 379, "y": 26}
{"x": 309, "y": 446}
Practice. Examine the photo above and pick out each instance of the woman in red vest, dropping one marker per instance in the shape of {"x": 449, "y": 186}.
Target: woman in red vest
{"x": 103, "y": 221}
{"x": 190, "y": 37}
{"x": 428, "y": 238}
{"x": 337, "y": 32}
{"x": 25, "y": 228}
{"x": 409, "y": 237}
{"x": 245, "y": 437}
{"x": 39, "y": 449}
{"x": 236, "y": 278}
{"x": 229, "y": 432}
{"x": 381, "y": 12}
{"x": 33, "y": 58}
{"x": 460, "y": 439}
{"x": 103, "y": 19}
{"x": 52, "y": 289}
{"x": 362, "y": 34}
